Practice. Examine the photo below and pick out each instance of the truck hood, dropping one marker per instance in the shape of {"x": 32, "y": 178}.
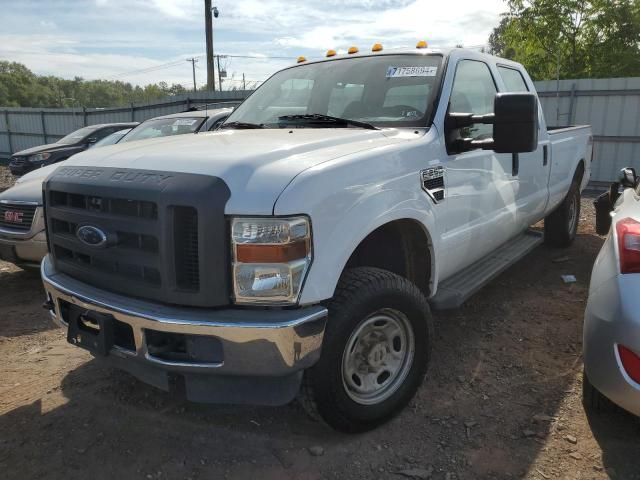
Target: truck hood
{"x": 51, "y": 147}
{"x": 30, "y": 191}
{"x": 255, "y": 164}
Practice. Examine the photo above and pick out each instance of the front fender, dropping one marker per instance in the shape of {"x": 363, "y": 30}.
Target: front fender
{"x": 347, "y": 204}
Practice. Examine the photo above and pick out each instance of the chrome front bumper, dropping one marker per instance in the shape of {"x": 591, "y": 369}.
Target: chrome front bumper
{"x": 256, "y": 344}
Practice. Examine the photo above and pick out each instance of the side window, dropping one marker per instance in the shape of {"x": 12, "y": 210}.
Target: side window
{"x": 513, "y": 80}
{"x": 474, "y": 91}
{"x": 100, "y": 134}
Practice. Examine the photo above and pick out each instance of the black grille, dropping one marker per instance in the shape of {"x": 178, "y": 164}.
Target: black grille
{"x": 434, "y": 183}
{"x": 15, "y": 216}
{"x": 133, "y": 247}
{"x": 154, "y": 242}
{"x": 114, "y": 206}
{"x": 185, "y": 234}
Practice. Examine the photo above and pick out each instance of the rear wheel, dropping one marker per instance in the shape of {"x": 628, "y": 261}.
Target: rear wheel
{"x": 592, "y": 399}
{"x": 561, "y": 226}
{"x": 375, "y": 351}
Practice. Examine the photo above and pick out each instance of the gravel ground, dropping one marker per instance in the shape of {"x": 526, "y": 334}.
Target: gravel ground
{"x": 502, "y": 400}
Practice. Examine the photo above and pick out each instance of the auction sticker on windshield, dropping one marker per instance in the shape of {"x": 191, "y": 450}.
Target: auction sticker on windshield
{"x": 422, "y": 71}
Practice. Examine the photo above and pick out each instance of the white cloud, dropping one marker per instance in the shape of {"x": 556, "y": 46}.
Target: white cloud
{"x": 173, "y": 8}
{"x": 126, "y": 35}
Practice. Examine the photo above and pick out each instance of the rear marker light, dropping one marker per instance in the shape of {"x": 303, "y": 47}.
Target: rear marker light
{"x": 630, "y": 363}
{"x": 628, "y": 232}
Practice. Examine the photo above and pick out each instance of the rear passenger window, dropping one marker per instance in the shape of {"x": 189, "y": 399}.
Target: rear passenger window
{"x": 513, "y": 80}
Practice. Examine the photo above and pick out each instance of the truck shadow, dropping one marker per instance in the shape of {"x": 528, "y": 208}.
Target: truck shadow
{"x": 21, "y": 297}
{"x": 617, "y": 435}
{"x": 506, "y": 371}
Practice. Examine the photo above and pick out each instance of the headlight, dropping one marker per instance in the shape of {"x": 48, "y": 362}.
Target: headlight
{"x": 39, "y": 157}
{"x": 271, "y": 257}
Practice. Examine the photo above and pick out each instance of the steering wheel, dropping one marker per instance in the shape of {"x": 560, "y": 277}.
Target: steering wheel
{"x": 403, "y": 111}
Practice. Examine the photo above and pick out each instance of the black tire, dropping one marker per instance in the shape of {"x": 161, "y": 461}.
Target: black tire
{"x": 559, "y": 228}
{"x": 361, "y": 293}
{"x": 593, "y": 400}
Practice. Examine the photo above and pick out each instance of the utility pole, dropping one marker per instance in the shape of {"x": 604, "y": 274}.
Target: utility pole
{"x": 193, "y": 66}
{"x": 208, "y": 26}
{"x": 244, "y": 83}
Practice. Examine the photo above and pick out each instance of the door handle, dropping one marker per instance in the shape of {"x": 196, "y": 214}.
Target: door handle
{"x": 545, "y": 155}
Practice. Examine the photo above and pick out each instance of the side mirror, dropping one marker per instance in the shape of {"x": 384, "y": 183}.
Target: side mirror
{"x": 628, "y": 177}
{"x": 91, "y": 140}
{"x": 515, "y": 125}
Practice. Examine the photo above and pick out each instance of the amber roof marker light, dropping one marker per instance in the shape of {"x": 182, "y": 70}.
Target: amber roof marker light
{"x": 377, "y": 47}
{"x": 352, "y": 50}
{"x": 331, "y": 53}
{"x": 422, "y": 44}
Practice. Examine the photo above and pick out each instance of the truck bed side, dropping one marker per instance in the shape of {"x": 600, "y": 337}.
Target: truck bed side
{"x": 569, "y": 146}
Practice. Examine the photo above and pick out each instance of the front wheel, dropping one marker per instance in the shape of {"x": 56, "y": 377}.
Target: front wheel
{"x": 375, "y": 352}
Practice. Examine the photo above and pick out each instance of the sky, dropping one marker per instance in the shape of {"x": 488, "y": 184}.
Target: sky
{"x": 147, "y": 41}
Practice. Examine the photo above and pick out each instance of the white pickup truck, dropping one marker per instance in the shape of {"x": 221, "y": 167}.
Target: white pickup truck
{"x": 298, "y": 249}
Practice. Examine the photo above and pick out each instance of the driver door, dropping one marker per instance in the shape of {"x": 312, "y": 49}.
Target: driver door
{"x": 480, "y": 188}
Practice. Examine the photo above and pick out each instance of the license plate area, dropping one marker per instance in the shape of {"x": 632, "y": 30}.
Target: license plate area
{"x": 90, "y": 330}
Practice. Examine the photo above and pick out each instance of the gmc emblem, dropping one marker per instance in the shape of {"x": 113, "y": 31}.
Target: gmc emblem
{"x": 13, "y": 217}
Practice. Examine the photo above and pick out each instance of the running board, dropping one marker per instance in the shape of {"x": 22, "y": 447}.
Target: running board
{"x": 454, "y": 291}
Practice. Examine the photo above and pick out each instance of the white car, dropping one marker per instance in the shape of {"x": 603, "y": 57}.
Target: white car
{"x": 22, "y": 237}
{"x": 299, "y": 246}
{"x": 612, "y": 319}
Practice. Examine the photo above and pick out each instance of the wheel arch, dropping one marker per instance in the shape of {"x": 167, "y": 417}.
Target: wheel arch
{"x": 403, "y": 246}
{"x": 579, "y": 171}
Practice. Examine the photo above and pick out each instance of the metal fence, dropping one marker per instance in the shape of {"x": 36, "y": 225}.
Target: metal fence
{"x": 611, "y": 106}
{"x": 22, "y": 128}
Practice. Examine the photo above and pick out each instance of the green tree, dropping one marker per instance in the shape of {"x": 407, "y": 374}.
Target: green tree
{"x": 20, "y": 87}
{"x": 587, "y": 38}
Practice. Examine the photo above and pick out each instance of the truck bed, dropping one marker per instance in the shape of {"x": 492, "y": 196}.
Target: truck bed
{"x": 556, "y": 130}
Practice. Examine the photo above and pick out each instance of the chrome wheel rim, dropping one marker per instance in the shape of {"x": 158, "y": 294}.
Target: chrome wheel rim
{"x": 378, "y": 357}
{"x": 573, "y": 214}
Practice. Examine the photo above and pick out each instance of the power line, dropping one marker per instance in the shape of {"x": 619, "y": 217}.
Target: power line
{"x": 145, "y": 70}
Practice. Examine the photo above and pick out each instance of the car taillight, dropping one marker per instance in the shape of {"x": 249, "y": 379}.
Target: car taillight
{"x": 630, "y": 362}
{"x": 628, "y": 231}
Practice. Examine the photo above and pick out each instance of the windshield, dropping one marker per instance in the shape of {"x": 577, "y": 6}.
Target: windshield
{"x": 77, "y": 136}
{"x": 385, "y": 91}
{"x": 164, "y": 127}
{"x": 112, "y": 139}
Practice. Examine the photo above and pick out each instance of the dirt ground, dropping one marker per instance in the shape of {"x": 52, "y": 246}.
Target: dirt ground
{"x": 6, "y": 179}
{"x": 502, "y": 400}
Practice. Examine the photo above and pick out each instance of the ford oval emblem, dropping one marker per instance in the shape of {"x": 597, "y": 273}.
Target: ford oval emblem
{"x": 91, "y": 236}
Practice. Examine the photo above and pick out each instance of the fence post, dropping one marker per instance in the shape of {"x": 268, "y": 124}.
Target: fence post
{"x": 44, "y": 128}
{"x": 84, "y": 116}
{"x": 572, "y": 104}
{"x": 6, "y": 120}
{"x": 188, "y": 103}
{"x": 133, "y": 113}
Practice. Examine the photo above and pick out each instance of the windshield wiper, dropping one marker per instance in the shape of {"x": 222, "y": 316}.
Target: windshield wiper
{"x": 240, "y": 125}
{"x": 319, "y": 118}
